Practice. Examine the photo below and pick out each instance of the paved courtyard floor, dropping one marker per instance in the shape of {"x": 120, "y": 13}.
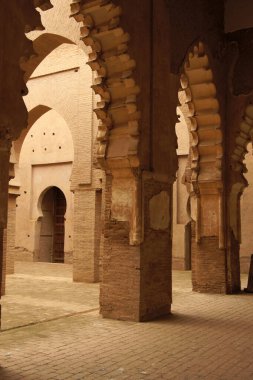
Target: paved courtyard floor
{"x": 206, "y": 337}
{"x": 39, "y": 292}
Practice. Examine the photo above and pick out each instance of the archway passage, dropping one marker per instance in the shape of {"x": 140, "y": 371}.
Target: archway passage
{"x": 52, "y": 233}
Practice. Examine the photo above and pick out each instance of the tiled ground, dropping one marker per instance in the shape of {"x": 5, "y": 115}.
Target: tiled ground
{"x": 207, "y": 337}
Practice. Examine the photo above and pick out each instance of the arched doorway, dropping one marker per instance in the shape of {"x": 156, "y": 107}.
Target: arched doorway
{"x": 52, "y": 231}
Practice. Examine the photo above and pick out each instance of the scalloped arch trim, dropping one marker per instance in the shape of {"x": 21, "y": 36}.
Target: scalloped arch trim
{"x": 199, "y": 102}
{"x": 118, "y": 131}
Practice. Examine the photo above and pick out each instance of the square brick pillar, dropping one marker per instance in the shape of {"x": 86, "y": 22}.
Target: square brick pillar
{"x": 209, "y": 262}
{"x": 136, "y": 266}
{"x": 208, "y": 266}
{"x": 136, "y": 281}
{"x": 4, "y": 181}
{"x": 11, "y": 229}
{"x": 86, "y": 239}
{"x": 3, "y": 278}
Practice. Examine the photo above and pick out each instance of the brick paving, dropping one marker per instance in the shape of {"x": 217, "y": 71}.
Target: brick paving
{"x": 207, "y": 337}
{"x": 40, "y": 291}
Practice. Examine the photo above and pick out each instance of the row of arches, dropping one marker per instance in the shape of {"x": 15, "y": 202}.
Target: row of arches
{"x": 134, "y": 228}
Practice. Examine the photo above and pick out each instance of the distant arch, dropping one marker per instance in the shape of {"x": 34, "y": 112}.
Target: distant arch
{"x": 43, "y": 46}
{"x": 41, "y": 197}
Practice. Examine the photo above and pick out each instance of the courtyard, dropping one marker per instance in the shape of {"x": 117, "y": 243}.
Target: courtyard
{"x": 52, "y": 330}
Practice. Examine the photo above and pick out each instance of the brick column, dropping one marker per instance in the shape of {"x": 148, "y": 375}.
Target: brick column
{"x": 85, "y": 261}
{"x": 4, "y": 181}
{"x": 136, "y": 283}
{"x": 209, "y": 267}
{"x": 140, "y": 162}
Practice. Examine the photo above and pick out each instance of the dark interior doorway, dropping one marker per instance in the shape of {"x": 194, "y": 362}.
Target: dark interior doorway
{"x": 52, "y": 233}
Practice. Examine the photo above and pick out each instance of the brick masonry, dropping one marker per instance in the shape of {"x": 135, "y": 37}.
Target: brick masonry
{"x": 85, "y": 264}
{"x": 3, "y": 244}
{"x": 136, "y": 280}
{"x": 208, "y": 266}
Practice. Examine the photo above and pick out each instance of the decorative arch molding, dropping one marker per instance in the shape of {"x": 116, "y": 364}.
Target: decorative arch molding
{"x": 198, "y": 99}
{"x": 118, "y": 131}
{"x": 244, "y": 137}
